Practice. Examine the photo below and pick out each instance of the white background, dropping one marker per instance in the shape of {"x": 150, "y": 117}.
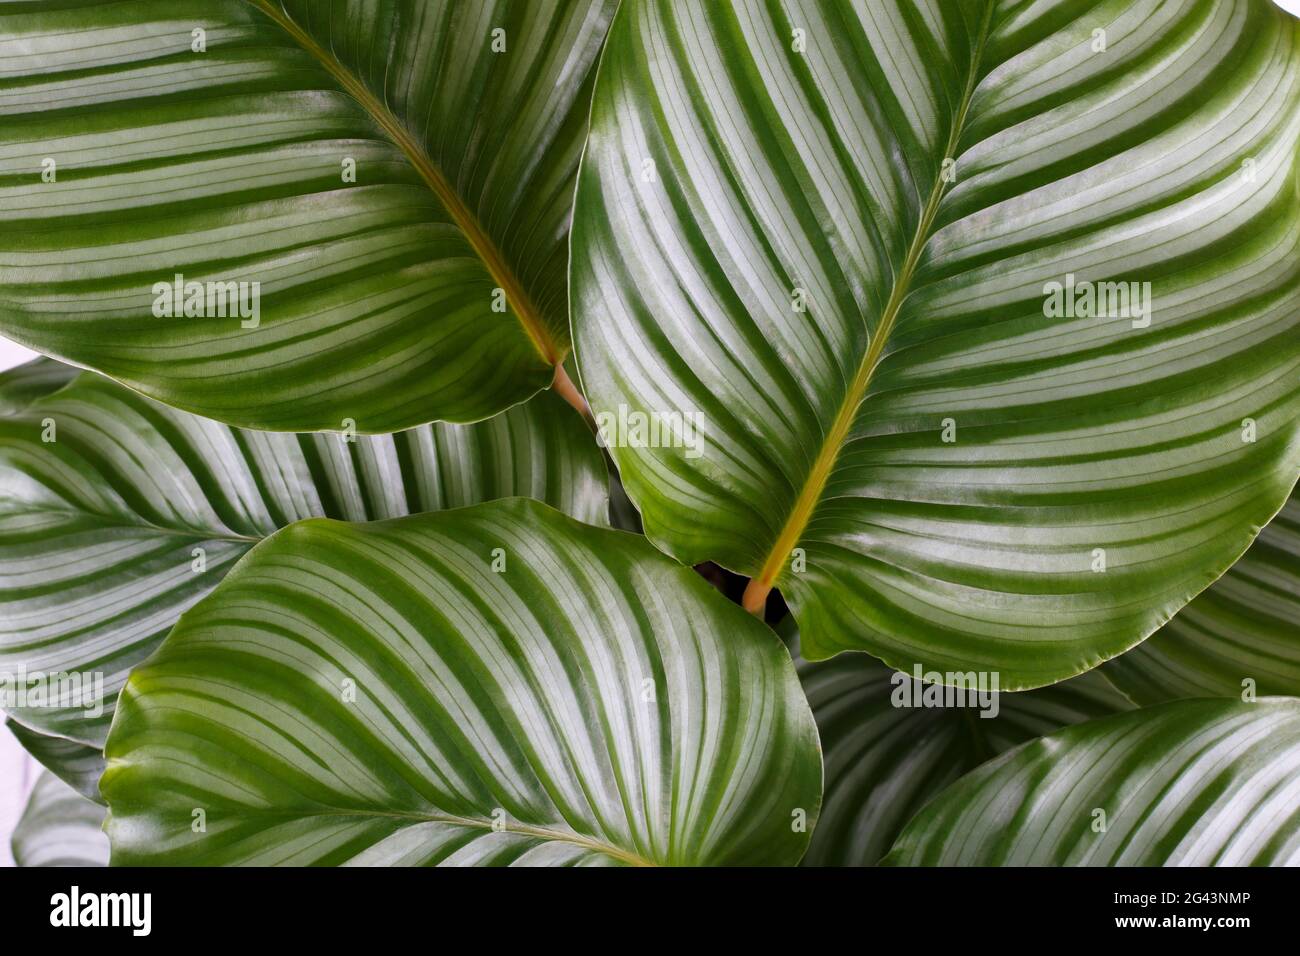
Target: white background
{"x": 17, "y": 770}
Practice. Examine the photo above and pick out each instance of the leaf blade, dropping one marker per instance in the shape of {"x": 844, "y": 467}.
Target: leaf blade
{"x": 59, "y": 827}
{"x": 778, "y": 174}
{"x": 1235, "y": 638}
{"x": 428, "y": 286}
{"x": 888, "y": 751}
{"x": 76, "y": 764}
{"x": 480, "y": 696}
{"x": 135, "y": 510}
{"x": 1232, "y": 763}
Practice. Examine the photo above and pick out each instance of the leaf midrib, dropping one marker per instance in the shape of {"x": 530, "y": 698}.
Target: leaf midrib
{"x": 517, "y": 297}
{"x": 755, "y": 597}
{"x": 549, "y": 834}
{"x": 111, "y": 521}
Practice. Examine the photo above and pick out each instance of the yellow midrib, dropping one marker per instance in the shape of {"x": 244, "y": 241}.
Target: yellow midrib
{"x": 755, "y": 597}
{"x": 517, "y": 297}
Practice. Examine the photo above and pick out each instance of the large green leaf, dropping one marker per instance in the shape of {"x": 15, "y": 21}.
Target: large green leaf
{"x": 378, "y": 693}
{"x": 928, "y": 464}
{"x": 1240, "y": 637}
{"x": 891, "y": 743}
{"x": 1189, "y": 783}
{"x": 378, "y": 297}
{"x": 76, "y": 764}
{"x": 134, "y": 510}
{"x": 60, "y": 827}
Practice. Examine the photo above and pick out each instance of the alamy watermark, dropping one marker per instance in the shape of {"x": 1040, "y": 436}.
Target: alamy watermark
{"x": 74, "y": 908}
{"x": 974, "y": 689}
{"x": 60, "y": 690}
{"x": 1083, "y": 299}
{"x": 625, "y": 428}
{"x": 212, "y": 299}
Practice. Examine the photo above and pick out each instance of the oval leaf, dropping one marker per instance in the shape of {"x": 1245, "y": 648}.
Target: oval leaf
{"x": 1239, "y": 638}
{"x": 60, "y": 827}
{"x": 891, "y": 742}
{"x": 1189, "y": 783}
{"x": 491, "y": 685}
{"x": 988, "y": 314}
{"x": 285, "y": 215}
{"x": 117, "y": 513}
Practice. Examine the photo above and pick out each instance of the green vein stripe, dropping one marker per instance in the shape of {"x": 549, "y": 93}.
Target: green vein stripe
{"x": 887, "y": 752}
{"x": 99, "y": 526}
{"x": 1099, "y": 794}
{"x": 376, "y": 295}
{"x": 1169, "y": 158}
{"x": 601, "y": 702}
{"x": 1237, "y": 638}
{"x": 59, "y": 827}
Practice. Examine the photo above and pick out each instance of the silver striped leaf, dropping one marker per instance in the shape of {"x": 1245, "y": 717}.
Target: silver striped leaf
{"x": 988, "y": 314}
{"x": 1239, "y": 638}
{"x": 285, "y": 214}
{"x": 495, "y": 685}
{"x": 59, "y": 827}
{"x": 78, "y": 765}
{"x": 131, "y": 511}
{"x": 1187, "y": 783}
{"x": 891, "y": 743}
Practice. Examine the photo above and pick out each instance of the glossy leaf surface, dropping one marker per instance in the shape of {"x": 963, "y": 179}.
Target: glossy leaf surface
{"x": 1241, "y": 636}
{"x": 492, "y": 685}
{"x": 891, "y": 743}
{"x": 60, "y": 827}
{"x": 76, "y": 764}
{"x": 132, "y": 511}
{"x": 1189, "y": 783}
{"x": 395, "y": 177}
{"x": 23, "y": 384}
{"x": 989, "y": 313}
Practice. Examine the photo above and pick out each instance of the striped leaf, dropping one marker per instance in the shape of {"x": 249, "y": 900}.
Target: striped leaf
{"x": 60, "y": 827}
{"x": 492, "y": 685}
{"x": 1240, "y": 637}
{"x": 132, "y": 511}
{"x": 22, "y": 385}
{"x": 891, "y": 743}
{"x": 395, "y": 178}
{"x": 76, "y": 764}
{"x": 1188, "y": 783}
{"x": 988, "y": 313}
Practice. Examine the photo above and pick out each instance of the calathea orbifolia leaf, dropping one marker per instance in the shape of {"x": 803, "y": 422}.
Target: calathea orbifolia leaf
{"x": 988, "y": 313}
{"x": 117, "y": 513}
{"x": 291, "y": 215}
{"x": 1239, "y": 638}
{"x": 491, "y": 685}
{"x": 22, "y": 385}
{"x": 1187, "y": 783}
{"x": 60, "y": 827}
{"x": 891, "y": 741}
{"x": 76, "y": 764}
